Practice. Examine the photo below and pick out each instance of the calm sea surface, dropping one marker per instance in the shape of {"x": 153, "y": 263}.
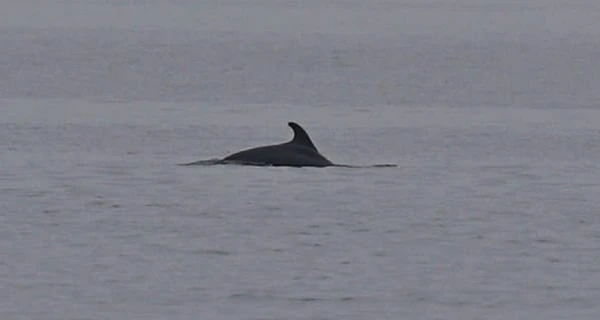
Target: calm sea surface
{"x": 490, "y": 109}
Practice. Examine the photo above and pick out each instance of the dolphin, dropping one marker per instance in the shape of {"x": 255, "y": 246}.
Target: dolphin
{"x": 298, "y": 152}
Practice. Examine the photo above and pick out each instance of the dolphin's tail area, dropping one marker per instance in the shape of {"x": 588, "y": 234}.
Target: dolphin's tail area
{"x": 380, "y": 165}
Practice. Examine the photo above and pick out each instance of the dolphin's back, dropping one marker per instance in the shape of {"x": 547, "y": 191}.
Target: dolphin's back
{"x": 286, "y": 154}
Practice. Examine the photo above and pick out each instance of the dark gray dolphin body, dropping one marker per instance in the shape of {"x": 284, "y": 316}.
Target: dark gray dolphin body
{"x": 299, "y": 152}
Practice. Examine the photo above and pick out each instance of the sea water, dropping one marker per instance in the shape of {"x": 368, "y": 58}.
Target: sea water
{"x": 490, "y": 110}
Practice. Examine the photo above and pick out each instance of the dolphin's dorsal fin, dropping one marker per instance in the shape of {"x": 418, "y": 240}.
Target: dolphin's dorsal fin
{"x": 300, "y": 136}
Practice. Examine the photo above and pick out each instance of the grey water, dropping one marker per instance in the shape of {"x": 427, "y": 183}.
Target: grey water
{"x": 490, "y": 109}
